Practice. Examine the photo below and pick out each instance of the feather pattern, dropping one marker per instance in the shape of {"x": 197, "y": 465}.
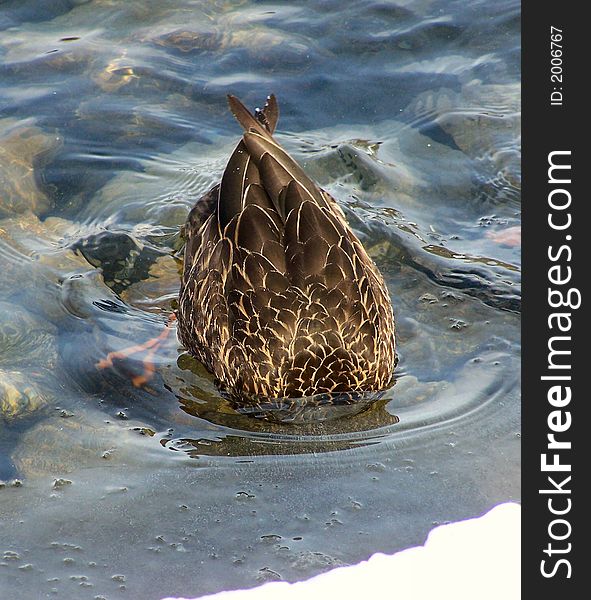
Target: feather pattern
{"x": 278, "y": 297}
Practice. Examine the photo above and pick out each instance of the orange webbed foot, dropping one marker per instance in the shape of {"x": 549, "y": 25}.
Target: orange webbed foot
{"x": 150, "y": 347}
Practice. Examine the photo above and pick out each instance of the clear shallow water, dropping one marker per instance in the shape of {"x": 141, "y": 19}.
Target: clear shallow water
{"x": 113, "y": 121}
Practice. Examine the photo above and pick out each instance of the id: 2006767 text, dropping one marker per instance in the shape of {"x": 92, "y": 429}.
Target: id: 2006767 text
{"x": 556, "y": 72}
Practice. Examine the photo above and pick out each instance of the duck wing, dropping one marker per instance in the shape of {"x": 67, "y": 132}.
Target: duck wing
{"x": 279, "y": 297}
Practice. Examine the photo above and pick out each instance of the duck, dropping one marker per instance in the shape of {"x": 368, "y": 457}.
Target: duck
{"x": 278, "y": 297}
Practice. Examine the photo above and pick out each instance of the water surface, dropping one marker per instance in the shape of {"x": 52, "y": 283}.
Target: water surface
{"x": 113, "y": 121}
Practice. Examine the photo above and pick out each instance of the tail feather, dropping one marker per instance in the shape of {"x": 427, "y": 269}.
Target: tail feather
{"x": 245, "y": 117}
{"x": 269, "y": 114}
{"x": 259, "y": 159}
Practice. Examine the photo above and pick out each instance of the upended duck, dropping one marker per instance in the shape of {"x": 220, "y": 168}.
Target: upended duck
{"x": 278, "y": 297}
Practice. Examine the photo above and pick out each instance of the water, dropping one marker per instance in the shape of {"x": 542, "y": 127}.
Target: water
{"x": 113, "y": 121}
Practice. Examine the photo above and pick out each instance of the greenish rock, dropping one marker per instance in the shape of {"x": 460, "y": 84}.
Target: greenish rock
{"x": 19, "y": 397}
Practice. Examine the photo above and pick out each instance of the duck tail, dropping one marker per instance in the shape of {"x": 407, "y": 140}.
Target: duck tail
{"x": 263, "y": 121}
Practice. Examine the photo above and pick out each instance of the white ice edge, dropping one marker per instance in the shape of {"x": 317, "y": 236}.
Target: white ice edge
{"x": 477, "y": 558}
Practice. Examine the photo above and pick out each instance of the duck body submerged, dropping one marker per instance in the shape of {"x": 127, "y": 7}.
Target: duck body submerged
{"x": 278, "y": 297}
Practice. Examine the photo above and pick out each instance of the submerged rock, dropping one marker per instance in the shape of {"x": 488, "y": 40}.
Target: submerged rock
{"x": 20, "y": 398}
{"x": 24, "y": 150}
{"x": 484, "y": 120}
{"x": 122, "y": 257}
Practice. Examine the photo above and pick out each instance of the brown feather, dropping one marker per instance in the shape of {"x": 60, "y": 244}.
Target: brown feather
{"x": 269, "y": 114}
{"x": 245, "y": 117}
{"x": 278, "y": 297}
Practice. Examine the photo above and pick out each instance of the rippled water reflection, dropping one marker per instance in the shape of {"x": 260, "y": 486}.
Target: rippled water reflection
{"x": 113, "y": 121}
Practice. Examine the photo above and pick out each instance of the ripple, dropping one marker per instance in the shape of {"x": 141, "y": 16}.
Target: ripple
{"x": 205, "y": 423}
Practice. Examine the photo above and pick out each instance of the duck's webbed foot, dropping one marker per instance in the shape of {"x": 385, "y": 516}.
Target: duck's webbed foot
{"x": 150, "y": 347}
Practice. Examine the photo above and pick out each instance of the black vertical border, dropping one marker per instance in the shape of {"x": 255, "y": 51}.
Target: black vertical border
{"x": 546, "y": 128}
